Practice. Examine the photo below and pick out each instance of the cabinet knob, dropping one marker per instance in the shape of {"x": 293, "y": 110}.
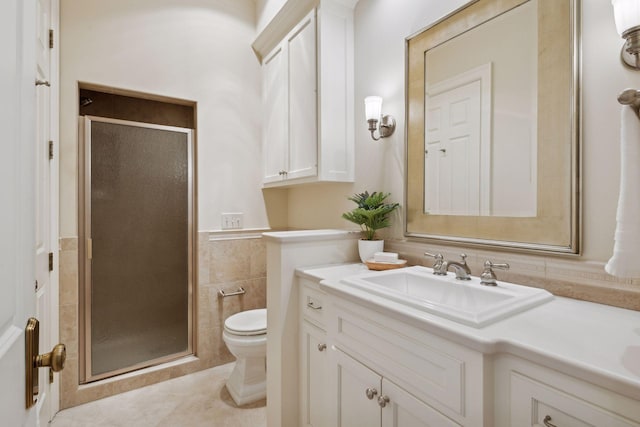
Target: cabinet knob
{"x": 383, "y": 400}
{"x": 371, "y": 393}
{"x": 322, "y": 347}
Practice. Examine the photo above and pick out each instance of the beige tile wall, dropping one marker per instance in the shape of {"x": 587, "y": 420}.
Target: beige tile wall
{"x": 224, "y": 262}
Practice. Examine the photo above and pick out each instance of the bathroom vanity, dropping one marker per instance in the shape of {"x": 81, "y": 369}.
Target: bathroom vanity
{"x": 369, "y": 360}
{"x": 339, "y": 353}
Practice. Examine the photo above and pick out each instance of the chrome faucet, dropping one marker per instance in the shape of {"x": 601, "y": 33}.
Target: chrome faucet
{"x": 462, "y": 270}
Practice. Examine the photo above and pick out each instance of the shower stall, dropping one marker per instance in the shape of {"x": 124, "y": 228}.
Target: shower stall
{"x": 136, "y": 245}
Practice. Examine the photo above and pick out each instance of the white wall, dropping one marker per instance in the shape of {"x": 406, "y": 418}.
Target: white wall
{"x": 381, "y": 27}
{"x": 197, "y": 50}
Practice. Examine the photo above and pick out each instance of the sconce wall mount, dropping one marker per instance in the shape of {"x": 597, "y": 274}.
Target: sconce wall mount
{"x": 386, "y": 128}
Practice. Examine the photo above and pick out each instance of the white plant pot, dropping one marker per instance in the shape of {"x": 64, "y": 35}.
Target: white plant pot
{"x": 366, "y": 248}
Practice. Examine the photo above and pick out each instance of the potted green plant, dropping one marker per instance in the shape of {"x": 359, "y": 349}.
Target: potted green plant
{"x": 371, "y": 214}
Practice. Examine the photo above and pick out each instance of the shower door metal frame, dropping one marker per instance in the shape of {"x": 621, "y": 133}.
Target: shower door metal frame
{"x": 84, "y": 234}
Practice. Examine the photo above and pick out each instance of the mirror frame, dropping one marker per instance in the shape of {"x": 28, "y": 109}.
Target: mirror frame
{"x": 487, "y": 231}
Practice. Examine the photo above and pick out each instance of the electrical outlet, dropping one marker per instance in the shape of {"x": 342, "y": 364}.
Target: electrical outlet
{"x": 232, "y": 221}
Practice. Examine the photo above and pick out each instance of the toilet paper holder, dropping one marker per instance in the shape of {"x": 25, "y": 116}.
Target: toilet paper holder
{"x": 224, "y": 294}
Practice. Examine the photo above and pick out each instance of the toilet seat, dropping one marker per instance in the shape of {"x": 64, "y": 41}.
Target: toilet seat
{"x": 247, "y": 323}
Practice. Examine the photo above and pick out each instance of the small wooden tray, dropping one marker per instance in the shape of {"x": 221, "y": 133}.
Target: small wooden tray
{"x": 372, "y": 265}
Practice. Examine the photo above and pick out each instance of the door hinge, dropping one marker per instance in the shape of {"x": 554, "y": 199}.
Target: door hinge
{"x": 51, "y": 39}
{"x": 50, "y": 261}
{"x": 50, "y": 150}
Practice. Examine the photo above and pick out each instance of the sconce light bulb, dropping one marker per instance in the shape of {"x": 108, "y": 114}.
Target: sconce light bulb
{"x": 373, "y": 107}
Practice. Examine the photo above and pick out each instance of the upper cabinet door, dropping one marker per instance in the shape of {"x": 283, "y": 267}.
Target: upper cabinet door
{"x": 308, "y": 73}
{"x": 276, "y": 120}
{"x": 303, "y": 157}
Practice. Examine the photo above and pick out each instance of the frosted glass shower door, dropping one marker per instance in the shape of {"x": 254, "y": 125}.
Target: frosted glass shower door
{"x": 138, "y": 236}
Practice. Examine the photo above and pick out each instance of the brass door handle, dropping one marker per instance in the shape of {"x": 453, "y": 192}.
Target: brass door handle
{"x": 54, "y": 359}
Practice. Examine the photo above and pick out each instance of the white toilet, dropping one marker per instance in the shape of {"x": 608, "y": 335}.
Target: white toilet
{"x": 245, "y": 335}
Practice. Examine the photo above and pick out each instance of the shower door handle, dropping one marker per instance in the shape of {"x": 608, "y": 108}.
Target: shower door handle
{"x": 33, "y": 360}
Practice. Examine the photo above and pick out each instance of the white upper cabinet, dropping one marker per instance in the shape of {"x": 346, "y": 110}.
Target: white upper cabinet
{"x": 308, "y": 133}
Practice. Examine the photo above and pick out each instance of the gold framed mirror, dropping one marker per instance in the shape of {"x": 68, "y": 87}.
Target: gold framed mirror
{"x": 492, "y": 149}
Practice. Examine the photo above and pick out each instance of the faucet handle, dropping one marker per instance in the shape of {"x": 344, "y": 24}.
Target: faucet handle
{"x": 463, "y": 257}
{"x": 438, "y": 257}
{"x": 439, "y": 266}
{"x": 489, "y": 264}
{"x": 488, "y": 277}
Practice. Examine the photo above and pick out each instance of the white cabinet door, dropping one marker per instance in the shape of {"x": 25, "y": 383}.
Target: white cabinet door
{"x": 290, "y": 106}
{"x": 301, "y": 46}
{"x": 313, "y": 381}
{"x": 356, "y": 393}
{"x": 404, "y": 410}
{"x": 276, "y": 121}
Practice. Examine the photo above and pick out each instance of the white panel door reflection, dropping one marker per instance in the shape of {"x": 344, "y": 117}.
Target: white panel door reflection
{"x": 453, "y": 151}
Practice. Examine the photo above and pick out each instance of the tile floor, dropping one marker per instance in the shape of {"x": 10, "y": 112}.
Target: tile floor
{"x": 194, "y": 400}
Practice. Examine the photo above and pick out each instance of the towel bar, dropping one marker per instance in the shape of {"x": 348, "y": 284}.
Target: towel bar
{"x": 223, "y": 294}
{"x": 631, "y": 97}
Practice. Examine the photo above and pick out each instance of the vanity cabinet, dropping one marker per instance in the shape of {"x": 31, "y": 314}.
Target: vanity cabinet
{"x": 308, "y": 133}
{"x": 386, "y": 364}
{"x": 419, "y": 379}
{"x": 313, "y": 357}
{"x": 539, "y": 396}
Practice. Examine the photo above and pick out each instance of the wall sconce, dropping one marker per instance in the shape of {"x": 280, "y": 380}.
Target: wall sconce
{"x": 373, "y": 111}
{"x": 627, "y": 16}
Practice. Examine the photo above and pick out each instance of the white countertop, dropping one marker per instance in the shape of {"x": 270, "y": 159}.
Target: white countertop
{"x": 594, "y": 342}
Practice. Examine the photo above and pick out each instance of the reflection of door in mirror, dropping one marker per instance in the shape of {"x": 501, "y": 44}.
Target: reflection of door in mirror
{"x": 492, "y": 169}
{"x": 457, "y": 130}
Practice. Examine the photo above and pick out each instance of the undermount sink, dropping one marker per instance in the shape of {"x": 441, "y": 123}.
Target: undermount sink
{"x": 464, "y": 301}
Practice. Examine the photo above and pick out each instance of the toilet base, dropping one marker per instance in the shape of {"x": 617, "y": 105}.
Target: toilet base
{"x": 248, "y": 381}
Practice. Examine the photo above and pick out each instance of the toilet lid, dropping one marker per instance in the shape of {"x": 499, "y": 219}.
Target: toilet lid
{"x": 250, "y": 322}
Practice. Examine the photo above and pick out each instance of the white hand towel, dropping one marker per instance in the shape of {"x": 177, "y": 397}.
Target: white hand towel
{"x": 626, "y": 250}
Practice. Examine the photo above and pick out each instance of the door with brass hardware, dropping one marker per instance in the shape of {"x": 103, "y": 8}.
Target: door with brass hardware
{"x": 25, "y": 185}
{"x": 54, "y": 360}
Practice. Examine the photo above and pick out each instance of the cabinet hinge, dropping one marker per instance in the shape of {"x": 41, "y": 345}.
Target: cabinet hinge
{"x": 50, "y": 261}
{"x": 50, "y": 150}
{"x": 51, "y": 39}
